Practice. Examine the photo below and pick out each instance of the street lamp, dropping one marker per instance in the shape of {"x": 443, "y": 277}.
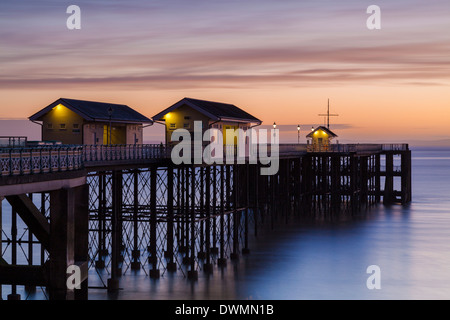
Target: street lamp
{"x": 110, "y": 112}
{"x": 274, "y": 132}
{"x": 298, "y": 134}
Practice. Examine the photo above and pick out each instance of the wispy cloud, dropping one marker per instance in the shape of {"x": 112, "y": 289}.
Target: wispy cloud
{"x": 190, "y": 44}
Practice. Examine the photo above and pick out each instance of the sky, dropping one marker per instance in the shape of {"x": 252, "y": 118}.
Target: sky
{"x": 279, "y": 60}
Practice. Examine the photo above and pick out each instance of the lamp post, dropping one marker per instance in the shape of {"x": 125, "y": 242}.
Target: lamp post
{"x": 298, "y": 134}
{"x": 274, "y": 127}
{"x": 110, "y": 112}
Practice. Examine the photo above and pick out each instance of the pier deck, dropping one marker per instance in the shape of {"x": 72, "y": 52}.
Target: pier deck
{"x": 129, "y": 207}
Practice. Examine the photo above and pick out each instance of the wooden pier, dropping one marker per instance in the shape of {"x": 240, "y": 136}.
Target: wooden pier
{"x": 123, "y": 208}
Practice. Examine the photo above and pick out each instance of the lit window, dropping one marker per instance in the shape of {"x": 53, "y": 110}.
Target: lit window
{"x": 172, "y": 126}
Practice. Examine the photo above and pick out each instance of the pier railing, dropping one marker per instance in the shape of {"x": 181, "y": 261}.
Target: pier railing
{"x": 358, "y": 148}
{"x": 395, "y": 147}
{"x": 46, "y": 159}
{"x": 13, "y": 142}
{"x": 94, "y": 153}
{"x": 23, "y": 161}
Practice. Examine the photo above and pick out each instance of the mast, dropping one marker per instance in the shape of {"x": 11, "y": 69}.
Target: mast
{"x": 328, "y": 115}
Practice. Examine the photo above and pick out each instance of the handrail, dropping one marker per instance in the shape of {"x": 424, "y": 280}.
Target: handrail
{"x": 96, "y": 153}
{"x": 358, "y": 148}
{"x": 7, "y": 141}
{"x": 48, "y": 158}
{"x": 26, "y": 161}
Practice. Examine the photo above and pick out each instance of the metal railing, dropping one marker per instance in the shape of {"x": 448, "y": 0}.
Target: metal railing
{"x": 95, "y": 153}
{"x": 13, "y": 142}
{"x": 45, "y": 159}
{"x": 358, "y": 148}
{"x": 395, "y": 147}
{"x": 24, "y": 161}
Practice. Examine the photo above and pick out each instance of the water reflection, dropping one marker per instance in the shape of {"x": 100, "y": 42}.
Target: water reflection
{"x": 411, "y": 245}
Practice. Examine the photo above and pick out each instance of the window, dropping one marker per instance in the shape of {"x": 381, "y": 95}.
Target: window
{"x": 172, "y": 126}
{"x": 49, "y": 125}
{"x": 76, "y": 126}
{"x": 187, "y": 117}
{"x": 186, "y": 125}
{"x": 62, "y": 126}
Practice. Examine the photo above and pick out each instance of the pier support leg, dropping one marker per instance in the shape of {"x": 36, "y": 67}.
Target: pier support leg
{"x": 135, "y": 253}
{"x": 364, "y": 180}
{"x": 192, "y": 273}
{"x": 354, "y": 184}
{"x": 202, "y": 253}
{"x": 117, "y": 185}
{"x": 68, "y": 240}
{"x": 388, "y": 197}
{"x": 222, "y": 261}
{"x": 154, "y": 272}
{"x": 13, "y": 295}
{"x": 305, "y": 185}
{"x": 207, "y": 266}
{"x": 186, "y": 216}
{"x": 406, "y": 191}
{"x": 236, "y": 215}
{"x": 82, "y": 238}
{"x": 256, "y": 210}
{"x": 377, "y": 178}
{"x": 335, "y": 184}
{"x": 214, "y": 248}
{"x": 245, "y": 249}
{"x": 171, "y": 265}
{"x": 102, "y": 251}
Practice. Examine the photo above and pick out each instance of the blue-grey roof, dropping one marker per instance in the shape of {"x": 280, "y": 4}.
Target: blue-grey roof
{"x": 97, "y": 111}
{"x": 214, "y": 110}
{"x": 328, "y": 131}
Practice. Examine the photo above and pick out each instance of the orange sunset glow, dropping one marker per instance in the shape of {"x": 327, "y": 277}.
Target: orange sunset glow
{"x": 280, "y": 61}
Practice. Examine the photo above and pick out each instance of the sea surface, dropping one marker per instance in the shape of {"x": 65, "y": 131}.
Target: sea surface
{"x": 410, "y": 245}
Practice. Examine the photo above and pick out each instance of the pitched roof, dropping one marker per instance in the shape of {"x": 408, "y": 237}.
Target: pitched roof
{"x": 330, "y": 133}
{"x": 214, "y": 110}
{"x": 96, "y": 111}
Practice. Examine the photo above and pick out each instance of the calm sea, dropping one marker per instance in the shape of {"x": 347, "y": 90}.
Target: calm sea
{"x": 410, "y": 244}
